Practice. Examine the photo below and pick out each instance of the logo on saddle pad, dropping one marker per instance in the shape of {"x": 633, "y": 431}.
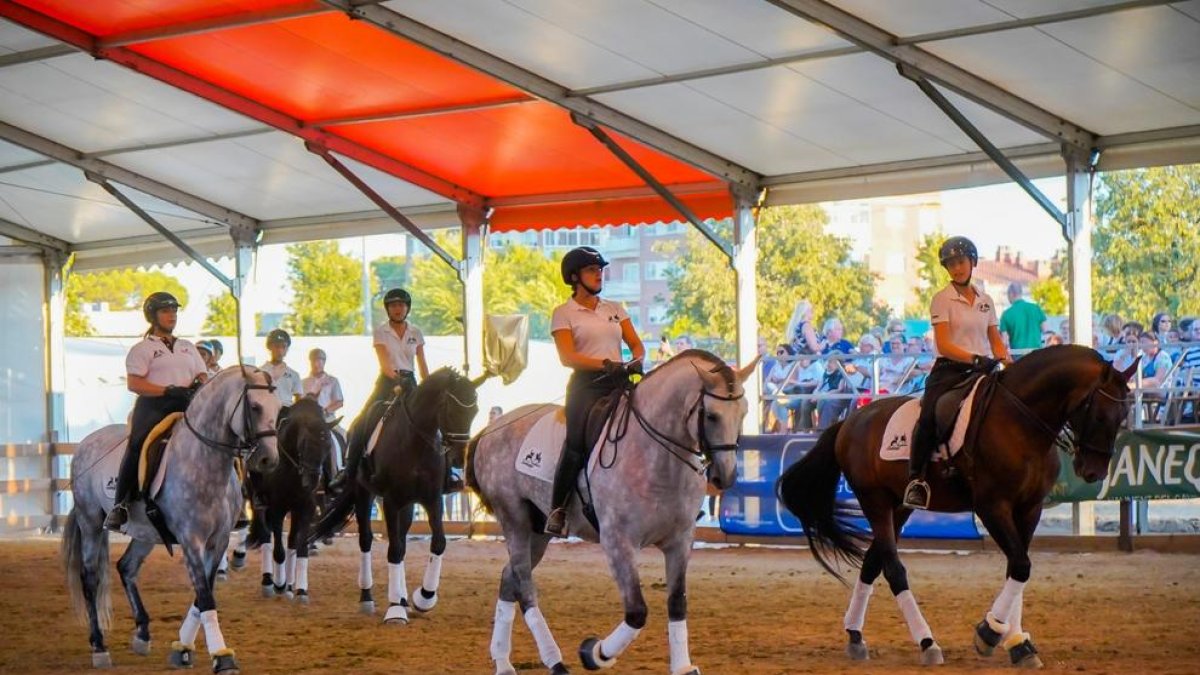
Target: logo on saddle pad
{"x": 532, "y": 459}
{"x": 903, "y": 422}
{"x": 898, "y": 442}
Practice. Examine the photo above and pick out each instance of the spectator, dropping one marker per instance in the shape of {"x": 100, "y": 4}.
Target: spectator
{"x": 835, "y": 381}
{"x": 1109, "y": 335}
{"x": 1161, "y": 323}
{"x": 1050, "y": 338}
{"x": 683, "y": 343}
{"x": 1156, "y": 364}
{"x": 892, "y": 370}
{"x": 1125, "y": 357}
{"x": 868, "y": 345}
{"x": 894, "y": 327}
{"x": 1023, "y": 322}
{"x": 1186, "y": 325}
{"x": 1189, "y": 364}
{"x": 495, "y": 413}
{"x": 321, "y": 386}
{"x": 1131, "y": 329}
{"x": 1064, "y": 329}
{"x": 833, "y": 333}
{"x": 800, "y": 332}
{"x": 210, "y": 353}
{"x": 665, "y": 352}
{"x": 1172, "y": 337}
{"x": 790, "y": 379}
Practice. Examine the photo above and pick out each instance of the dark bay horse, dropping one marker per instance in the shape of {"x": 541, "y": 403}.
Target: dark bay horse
{"x": 411, "y": 445}
{"x": 232, "y": 415}
{"x": 304, "y": 446}
{"x": 1004, "y": 479}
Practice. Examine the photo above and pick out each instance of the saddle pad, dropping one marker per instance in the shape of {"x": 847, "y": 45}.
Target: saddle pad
{"x": 897, "y": 436}
{"x": 542, "y": 446}
{"x": 154, "y": 456}
{"x": 374, "y": 438}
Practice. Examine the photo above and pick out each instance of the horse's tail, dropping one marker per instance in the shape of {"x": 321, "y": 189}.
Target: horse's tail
{"x": 337, "y": 513}
{"x": 72, "y": 553}
{"x": 809, "y": 490}
{"x": 469, "y": 476}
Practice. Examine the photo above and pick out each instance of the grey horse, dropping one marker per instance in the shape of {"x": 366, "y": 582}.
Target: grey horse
{"x": 232, "y": 415}
{"x": 646, "y": 481}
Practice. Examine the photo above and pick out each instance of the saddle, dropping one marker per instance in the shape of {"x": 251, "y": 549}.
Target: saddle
{"x": 949, "y": 405}
{"x": 150, "y": 468}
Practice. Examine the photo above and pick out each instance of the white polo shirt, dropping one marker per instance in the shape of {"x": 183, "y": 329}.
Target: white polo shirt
{"x": 178, "y": 365}
{"x": 325, "y": 388}
{"x": 286, "y": 381}
{"x": 401, "y": 351}
{"x": 596, "y": 332}
{"x": 968, "y": 321}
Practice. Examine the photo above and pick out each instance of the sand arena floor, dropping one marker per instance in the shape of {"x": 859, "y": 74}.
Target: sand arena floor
{"x": 753, "y": 610}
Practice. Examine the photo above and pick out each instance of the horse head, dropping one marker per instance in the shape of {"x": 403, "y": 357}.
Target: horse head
{"x": 304, "y": 439}
{"x": 240, "y": 403}
{"x": 1096, "y": 420}
{"x": 721, "y": 408}
{"x": 457, "y": 404}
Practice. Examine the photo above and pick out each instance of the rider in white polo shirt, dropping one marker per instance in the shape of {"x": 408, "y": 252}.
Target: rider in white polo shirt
{"x": 285, "y": 379}
{"x": 327, "y": 392}
{"x": 164, "y": 371}
{"x": 966, "y": 332}
{"x": 588, "y": 332}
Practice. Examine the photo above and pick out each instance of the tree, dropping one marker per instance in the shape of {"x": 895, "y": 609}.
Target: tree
{"x": 1147, "y": 242}
{"x": 326, "y": 287}
{"x": 930, "y": 273}
{"x": 437, "y": 294}
{"x": 121, "y": 289}
{"x": 222, "y": 315}
{"x": 1050, "y": 294}
{"x": 797, "y": 260}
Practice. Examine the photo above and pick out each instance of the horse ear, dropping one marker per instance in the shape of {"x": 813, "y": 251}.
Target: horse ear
{"x": 480, "y": 380}
{"x": 1128, "y": 372}
{"x": 744, "y": 373}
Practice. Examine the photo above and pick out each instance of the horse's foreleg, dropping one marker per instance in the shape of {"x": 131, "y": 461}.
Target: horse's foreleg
{"x": 426, "y": 597}
{"x": 298, "y": 541}
{"x": 362, "y": 517}
{"x": 596, "y": 653}
{"x": 677, "y": 630}
{"x": 200, "y": 575}
{"x": 183, "y": 650}
{"x": 278, "y": 550}
{"x": 398, "y": 521}
{"x": 128, "y": 567}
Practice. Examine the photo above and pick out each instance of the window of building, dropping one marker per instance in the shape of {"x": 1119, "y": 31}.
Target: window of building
{"x": 657, "y": 270}
{"x": 658, "y": 313}
{"x": 630, "y": 272}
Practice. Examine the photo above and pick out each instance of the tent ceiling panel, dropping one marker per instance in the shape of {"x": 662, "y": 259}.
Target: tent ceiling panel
{"x": 94, "y": 106}
{"x": 913, "y": 17}
{"x": 1073, "y": 84}
{"x": 56, "y": 199}
{"x": 1191, "y": 8}
{"x": 515, "y": 150}
{"x": 14, "y": 38}
{"x": 106, "y": 19}
{"x": 587, "y": 44}
{"x": 14, "y": 155}
{"x": 267, "y": 176}
{"x": 327, "y": 66}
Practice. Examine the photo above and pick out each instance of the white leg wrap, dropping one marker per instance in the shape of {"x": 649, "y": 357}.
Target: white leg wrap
{"x": 856, "y": 613}
{"x": 223, "y": 566}
{"x": 912, "y": 616}
{"x": 677, "y": 640}
{"x": 268, "y": 563}
{"x": 502, "y": 625}
{"x": 1014, "y": 616}
{"x": 190, "y": 626}
{"x": 433, "y": 573}
{"x": 397, "y": 584}
{"x": 619, "y": 640}
{"x": 1004, "y": 601}
{"x": 547, "y": 648}
{"x": 290, "y": 562}
{"x": 301, "y": 574}
{"x": 281, "y": 573}
{"x": 364, "y": 571}
{"x": 212, "y": 631}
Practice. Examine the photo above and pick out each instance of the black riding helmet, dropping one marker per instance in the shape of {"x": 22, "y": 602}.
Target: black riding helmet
{"x": 157, "y": 301}
{"x": 577, "y": 259}
{"x": 956, "y": 246}
{"x": 279, "y": 335}
{"x": 397, "y": 295}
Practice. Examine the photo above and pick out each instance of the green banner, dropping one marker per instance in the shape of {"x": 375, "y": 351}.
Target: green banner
{"x": 1147, "y": 464}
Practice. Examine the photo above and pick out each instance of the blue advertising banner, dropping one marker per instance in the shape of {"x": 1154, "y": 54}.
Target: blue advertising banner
{"x": 750, "y": 507}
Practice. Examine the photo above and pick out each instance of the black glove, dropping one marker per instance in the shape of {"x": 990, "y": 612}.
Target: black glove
{"x": 984, "y": 364}
{"x": 178, "y": 393}
{"x": 636, "y": 368}
{"x": 614, "y": 369}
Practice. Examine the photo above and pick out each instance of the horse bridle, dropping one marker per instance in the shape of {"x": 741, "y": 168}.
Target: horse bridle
{"x": 447, "y": 437}
{"x": 1071, "y": 443}
{"x": 241, "y": 448}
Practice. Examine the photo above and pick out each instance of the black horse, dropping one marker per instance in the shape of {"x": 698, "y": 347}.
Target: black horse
{"x": 305, "y": 444}
{"x": 408, "y": 449}
{"x": 1004, "y": 478}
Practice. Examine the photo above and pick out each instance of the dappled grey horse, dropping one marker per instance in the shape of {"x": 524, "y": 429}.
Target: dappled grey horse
{"x": 233, "y": 415}
{"x": 647, "y": 482}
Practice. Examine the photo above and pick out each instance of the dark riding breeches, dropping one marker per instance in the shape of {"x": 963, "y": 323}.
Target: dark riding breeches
{"x": 583, "y": 390}
{"x": 385, "y": 387}
{"x": 944, "y": 376}
{"x": 147, "y": 412}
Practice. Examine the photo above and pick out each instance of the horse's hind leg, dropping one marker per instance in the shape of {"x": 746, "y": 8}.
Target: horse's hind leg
{"x": 85, "y": 548}
{"x": 298, "y": 542}
{"x": 621, "y": 554}
{"x": 884, "y": 526}
{"x": 860, "y": 596}
{"x": 427, "y": 596}
{"x": 398, "y": 520}
{"x": 362, "y": 518}
{"x": 278, "y": 551}
{"x": 128, "y": 566}
{"x": 525, "y": 550}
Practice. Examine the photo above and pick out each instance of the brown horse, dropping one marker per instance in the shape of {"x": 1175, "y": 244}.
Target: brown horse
{"x": 1004, "y": 478}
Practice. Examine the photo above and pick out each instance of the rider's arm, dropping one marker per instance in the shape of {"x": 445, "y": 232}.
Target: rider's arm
{"x": 143, "y": 387}
{"x": 422, "y": 368}
{"x": 570, "y": 358}
{"x": 945, "y": 347}
{"x": 999, "y": 347}
{"x": 630, "y": 336}
{"x": 385, "y": 364}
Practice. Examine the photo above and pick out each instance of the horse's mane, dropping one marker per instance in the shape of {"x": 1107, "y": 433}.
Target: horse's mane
{"x": 719, "y": 366}
{"x": 1040, "y": 359}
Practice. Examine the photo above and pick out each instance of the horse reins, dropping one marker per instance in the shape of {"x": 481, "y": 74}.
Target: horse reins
{"x": 241, "y": 447}
{"x": 1071, "y": 443}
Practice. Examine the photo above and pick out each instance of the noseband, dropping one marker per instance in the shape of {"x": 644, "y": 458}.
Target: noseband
{"x": 241, "y": 447}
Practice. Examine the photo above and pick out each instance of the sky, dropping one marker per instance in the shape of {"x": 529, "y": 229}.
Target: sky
{"x": 991, "y": 216}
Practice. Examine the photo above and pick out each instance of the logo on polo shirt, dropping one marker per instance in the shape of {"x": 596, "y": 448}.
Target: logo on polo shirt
{"x": 984, "y": 307}
{"x": 614, "y": 319}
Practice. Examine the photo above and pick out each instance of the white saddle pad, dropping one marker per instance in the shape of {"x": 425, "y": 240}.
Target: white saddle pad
{"x": 542, "y": 446}
{"x": 897, "y": 436}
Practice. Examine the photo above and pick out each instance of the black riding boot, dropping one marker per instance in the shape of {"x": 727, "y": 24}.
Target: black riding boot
{"x": 917, "y": 494}
{"x": 565, "y": 476}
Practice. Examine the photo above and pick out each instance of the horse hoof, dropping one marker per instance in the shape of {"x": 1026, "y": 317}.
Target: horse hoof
{"x": 101, "y": 660}
{"x": 986, "y": 638}
{"x": 225, "y": 663}
{"x": 505, "y": 667}
{"x": 279, "y": 590}
{"x": 932, "y": 655}
{"x": 268, "y": 591}
{"x": 1024, "y": 655}
{"x": 396, "y": 615}
{"x": 857, "y": 651}
{"x": 222, "y": 575}
{"x": 591, "y": 656}
{"x": 239, "y": 560}
{"x": 140, "y": 647}
{"x": 289, "y": 591}
{"x": 367, "y": 607}
{"x": 328, "y": 541}
{"x": 688, "y": 670}
{"x": 313, "y": 551}
{"x": 424, "y": 600}
{"x": 180, "y": 657}
{"x": 559, "y": 669}
{"x": 302, "y": 596}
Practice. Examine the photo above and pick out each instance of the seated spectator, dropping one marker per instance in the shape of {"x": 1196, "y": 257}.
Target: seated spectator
{"x": 1125, "y": 357}
{"x": 791, "y": 378}
{"x": 1185, "y": 329}
{"x": 894, "y": 368}
{"x": 1188, "y": 374}
{"x": 895, "y": 327}
{"x": 1161, "y": 323}
{"x": 1156, "y": 364}
{"x": 868, "y": 345}
{"x": 836, "y": 380}
{"x": 1050, "y": 338}
{"x": 800, "y": 332}
{"x": 1131, "y": 329}
{"x": 683, "y": 343}
{"x": 833, "y": 338}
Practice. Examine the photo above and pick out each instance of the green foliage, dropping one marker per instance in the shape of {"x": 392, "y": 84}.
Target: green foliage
{"x": 1050, "y": 294}
{"x": 797, "y": 260}
{"x": 932, "y": 277}
{"x": 437, "y": 294}
{"x": 1147, "y": 242}
{"x": 326, "y": 284}
{"x": 122, "y": 289}
{"x": 222, "y": 315}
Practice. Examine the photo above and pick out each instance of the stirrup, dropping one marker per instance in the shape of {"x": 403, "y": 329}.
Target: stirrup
{"x": 556, "y": 522}
{"x": 118, "y": 518}
{"x": 916, "y": 495}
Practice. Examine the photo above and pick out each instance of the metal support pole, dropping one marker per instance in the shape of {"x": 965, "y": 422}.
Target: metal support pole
{"x": 243, "y": 260}
{"x": 653, "y": 183}
{"x": 745, "y": 258}
{"x": 1080, "y": 168}
{"x": 56, "y": 271}
{"x": 474, "y": 225}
